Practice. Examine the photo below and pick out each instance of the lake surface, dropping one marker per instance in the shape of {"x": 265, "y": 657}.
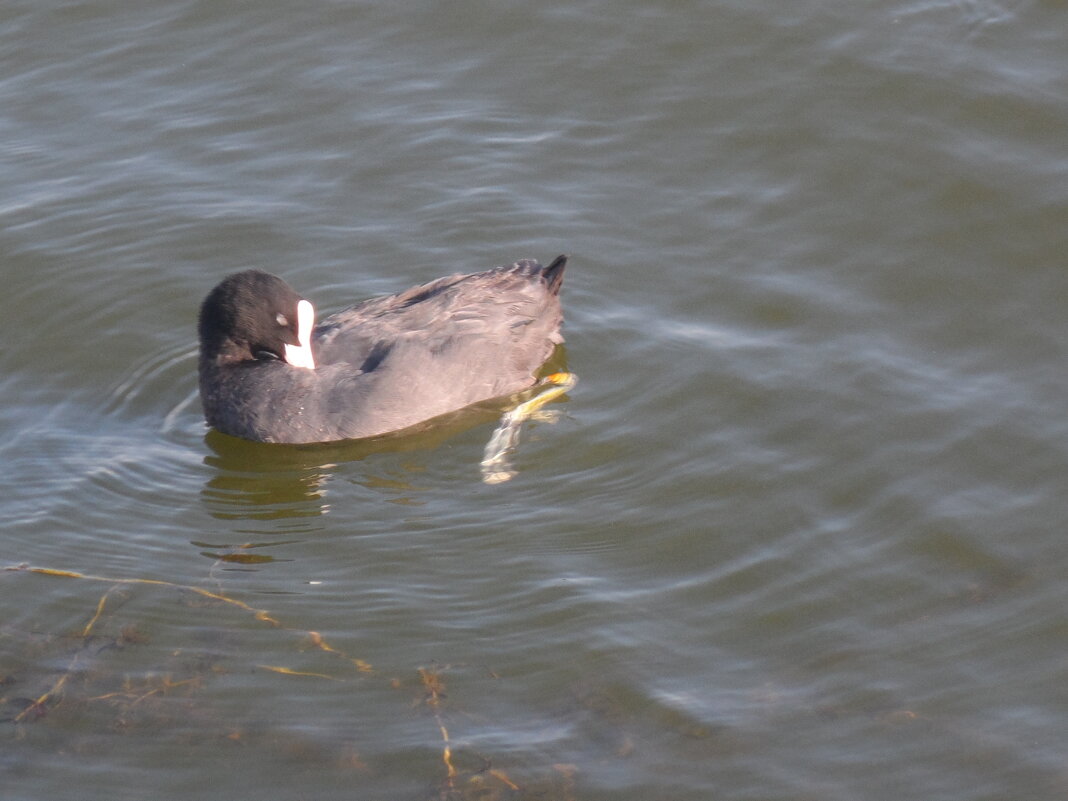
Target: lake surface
{"x": 799, "y": 531}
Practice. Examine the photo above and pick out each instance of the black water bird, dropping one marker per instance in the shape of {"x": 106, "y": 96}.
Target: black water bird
{"x": 268, "y": 373}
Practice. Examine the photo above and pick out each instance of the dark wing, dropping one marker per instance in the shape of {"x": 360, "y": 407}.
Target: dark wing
{"x": 441, "y": 346}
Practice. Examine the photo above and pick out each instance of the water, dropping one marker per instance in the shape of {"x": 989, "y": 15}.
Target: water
{"x": 798, "y": 534}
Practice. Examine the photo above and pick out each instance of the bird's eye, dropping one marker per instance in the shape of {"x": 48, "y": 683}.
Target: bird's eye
{"x": 281, "y": 320}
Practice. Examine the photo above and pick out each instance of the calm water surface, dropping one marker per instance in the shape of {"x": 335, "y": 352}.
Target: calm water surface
{"x": 797, "y": 534}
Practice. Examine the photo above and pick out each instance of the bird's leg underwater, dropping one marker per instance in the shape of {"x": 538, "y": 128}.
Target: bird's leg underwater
{"x": 495, "y": 464}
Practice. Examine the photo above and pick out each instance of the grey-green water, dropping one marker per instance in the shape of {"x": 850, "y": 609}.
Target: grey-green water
{"x": 800, "y": 531}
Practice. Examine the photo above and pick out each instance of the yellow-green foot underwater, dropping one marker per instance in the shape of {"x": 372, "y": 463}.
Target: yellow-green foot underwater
{"x": 495, "y": 465}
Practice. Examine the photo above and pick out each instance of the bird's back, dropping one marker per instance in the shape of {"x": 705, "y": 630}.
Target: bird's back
{"x": 441, "y": 346}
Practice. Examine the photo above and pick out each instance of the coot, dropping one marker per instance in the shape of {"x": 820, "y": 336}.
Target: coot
{"x": 267, "y": 373}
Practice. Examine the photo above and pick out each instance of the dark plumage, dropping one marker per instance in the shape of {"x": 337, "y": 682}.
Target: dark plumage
{"x": 382, "y": 365}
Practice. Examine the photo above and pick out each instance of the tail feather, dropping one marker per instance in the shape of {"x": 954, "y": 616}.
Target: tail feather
{"x": 554, "y": 273}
